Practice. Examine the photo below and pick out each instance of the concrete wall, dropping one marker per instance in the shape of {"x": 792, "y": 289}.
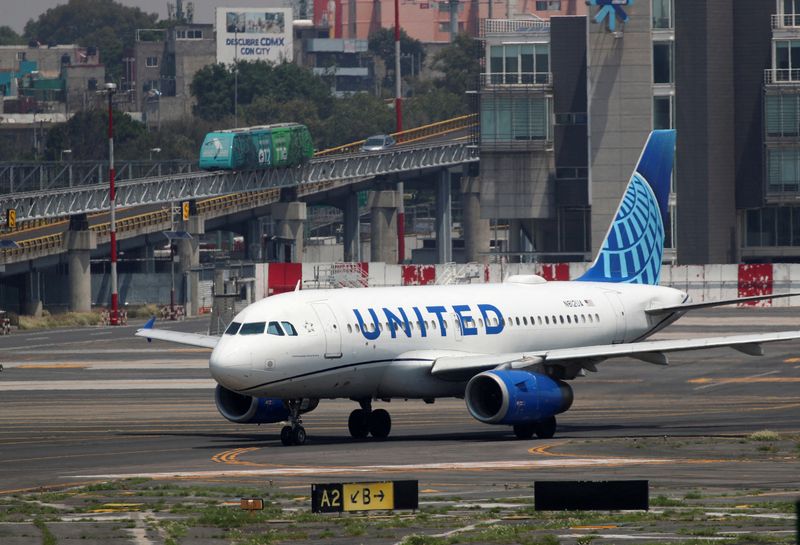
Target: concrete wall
{"x": 620, "y": 99}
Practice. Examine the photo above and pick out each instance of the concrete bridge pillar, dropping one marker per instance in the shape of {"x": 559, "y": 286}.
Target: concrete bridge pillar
{"x": 383, "y": 226}
{"x": 444, "y": 218}
{"x": 352, "y": 235}
{"x": 290, "y": 218}
{"x": 32, "y": 294}
{"x": 189, "y": 259}
{"x": 253, "y": 240}
{"x": 476, "y": 231}
{"x": 79, "y": 245}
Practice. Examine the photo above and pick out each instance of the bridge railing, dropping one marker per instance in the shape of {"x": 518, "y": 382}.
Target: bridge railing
{"x": 409, "y": 136}
{"x": 45, "y": 175}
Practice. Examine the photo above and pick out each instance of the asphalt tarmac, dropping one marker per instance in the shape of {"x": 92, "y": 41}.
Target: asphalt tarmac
{"x": 91, "y": 404}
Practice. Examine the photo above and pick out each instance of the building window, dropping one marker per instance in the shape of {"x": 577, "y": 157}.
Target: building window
{"x": 662, "y": 14}
{"x": 662, "y": 113}
{"x": 20, "y": 55}
{"x": 526, "y": 63}
{"x": 189, "y": 34}
{"x": 783, "y": 170}
{"x": 509, "y": 118}
{"x": 787, "y": 60}
{"x": 579, "y": 118}
{"x": 772, "y": 226}
{"x": 790, "y": 13}
{"x": 782, "y": 115}
{"x": 445, "y": 27}
{"x": 548, "y": 5}
{"x": 662, "y": 62}
{"x": 151, "y": 62}
{"x": 151, "y": 85}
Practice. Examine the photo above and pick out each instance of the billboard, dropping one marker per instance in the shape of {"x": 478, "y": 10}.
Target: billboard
{"x": 251, "y": 34}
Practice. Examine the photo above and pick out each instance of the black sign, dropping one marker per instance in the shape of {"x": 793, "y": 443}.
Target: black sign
{"x": 591, "y": 495}
{"x": 366, "y": 496}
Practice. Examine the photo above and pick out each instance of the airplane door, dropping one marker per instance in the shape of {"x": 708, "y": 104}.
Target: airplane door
{"x": 620, "y": 326}
{"x": 457, "y": 333}
{"x": 330, "y": 326}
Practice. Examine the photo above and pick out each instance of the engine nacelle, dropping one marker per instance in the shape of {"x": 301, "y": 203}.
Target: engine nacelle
{"x": 244, "y": 409}
{"x": 516, "y": 397}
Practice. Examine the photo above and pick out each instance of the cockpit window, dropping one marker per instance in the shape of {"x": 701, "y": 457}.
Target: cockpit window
{"x": 274, "y": 329}
{"x": 289, "y": 328}
{"x": 254, "y": 328}
{"x": 233, "y": 328}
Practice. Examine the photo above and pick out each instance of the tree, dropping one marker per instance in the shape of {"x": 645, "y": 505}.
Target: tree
{"x": 212, "y": 86}
{"x": 9, "y": 37}
{"x": 106, "y": 24}
{"x": 86, "y": 135}
{"x": 432, "y": 104}
{"x": 381, "y": 43}
{"x": 460, "y": 65}
{"x": 355, "y": 117}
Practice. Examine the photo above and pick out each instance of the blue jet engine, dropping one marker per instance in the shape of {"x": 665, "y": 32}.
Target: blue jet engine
{"x": 516, "y": 397}
{"x": 244, "y": 409}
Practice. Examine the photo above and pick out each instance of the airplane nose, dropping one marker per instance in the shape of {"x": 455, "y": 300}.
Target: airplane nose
{"x": 229, "y": 366}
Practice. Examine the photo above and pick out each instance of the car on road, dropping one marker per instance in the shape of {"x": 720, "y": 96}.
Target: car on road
{"x": 378, "y": 142}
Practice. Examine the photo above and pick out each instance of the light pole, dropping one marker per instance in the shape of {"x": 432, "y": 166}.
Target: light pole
{"x": 154, "y": 150}
{"x": 398, "y": 109}
{"x": 61, "y": 154}
{"x": 110, "y": 89}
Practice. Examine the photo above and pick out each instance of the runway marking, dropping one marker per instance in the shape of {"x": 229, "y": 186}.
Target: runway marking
{"x": 50, "y": 366}
{"x": 230, "y": 457}
{"x": 399, "y": 468}
{"x": 712, "y": 382}
{"x": 100, "y": 333}
{"x": 163, "y": 384}
{"x": 791, "y": 360}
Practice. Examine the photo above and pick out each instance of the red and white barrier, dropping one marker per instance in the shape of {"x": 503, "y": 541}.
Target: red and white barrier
{"x": 701, "y": 282}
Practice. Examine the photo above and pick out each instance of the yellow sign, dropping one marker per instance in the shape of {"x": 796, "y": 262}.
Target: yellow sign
{"x": 11, "y": 218}
{"x": 185, "y": 210}
{"x": 368, "y": 496}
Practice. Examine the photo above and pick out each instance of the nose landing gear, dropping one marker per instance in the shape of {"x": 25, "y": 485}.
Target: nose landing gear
{"x": 293, "y": 433}
{"x": 365, "y": 421}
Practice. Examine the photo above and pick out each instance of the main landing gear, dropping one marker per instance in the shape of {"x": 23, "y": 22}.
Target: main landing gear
{"x": 544, "y": 429}
{"x": 294, "y": 433}
{"x": 365, "y": 421}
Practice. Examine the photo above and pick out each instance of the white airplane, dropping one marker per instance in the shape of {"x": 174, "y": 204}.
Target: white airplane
{"x": 507, "y": 349}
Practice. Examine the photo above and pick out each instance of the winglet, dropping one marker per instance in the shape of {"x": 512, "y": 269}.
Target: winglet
{"x": 150, "y": 323}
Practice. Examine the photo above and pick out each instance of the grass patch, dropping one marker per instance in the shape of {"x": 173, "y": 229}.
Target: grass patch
{"x": 663, "y": 501}
{"x": 68, "y": 319}
{"x": 47, "y": 536}
{"x": 764, "y": 435}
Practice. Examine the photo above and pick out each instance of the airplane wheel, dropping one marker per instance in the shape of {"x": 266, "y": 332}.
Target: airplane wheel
{"x": 358, "y": 424}
{"x": 286, "y": 436}
{"x": 545, "y": 429}
{"x": 299, "y": 435}
{"x": 380, "y": 424}
{"x": 524, "y": 431}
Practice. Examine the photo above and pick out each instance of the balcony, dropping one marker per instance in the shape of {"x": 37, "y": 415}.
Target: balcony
{"x": 514, "y": 26}
{"x": 516, "y": 79}
{"x": 781, "y": 76}
{"x": 782, "y": 21}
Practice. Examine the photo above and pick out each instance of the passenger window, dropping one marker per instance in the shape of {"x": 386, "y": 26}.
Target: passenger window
{"x": 525, "y": 320}
{"x": 289, "y": 329}
{"x": 480, "y": 322}
{"x": 554, "y": 320}
{"x": 562, "y": 318}
{"x": 596, "y": 317}
{"x": 349, "y": 328}
{"x": 583, "y": 318}
{"x": 274, "y": 329}
{"x": 590, "y": 319}
{"x": 254, "y": 328}
{"x": 233, "y": 328}
{"x": 539, "y": 319}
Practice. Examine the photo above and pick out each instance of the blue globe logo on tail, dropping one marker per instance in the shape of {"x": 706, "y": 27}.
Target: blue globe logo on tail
{"x": 634, "y": 244}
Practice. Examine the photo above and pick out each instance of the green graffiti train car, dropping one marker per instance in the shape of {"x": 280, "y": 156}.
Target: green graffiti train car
{"x": 264, "y": 146}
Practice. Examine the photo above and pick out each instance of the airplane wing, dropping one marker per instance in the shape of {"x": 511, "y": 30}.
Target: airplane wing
{"x": 462, "y": 367}
{"x": 719, "y": 303}
{"x": 192, "y": 339}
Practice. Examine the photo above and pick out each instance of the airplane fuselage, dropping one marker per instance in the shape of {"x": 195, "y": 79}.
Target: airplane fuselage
{"x": 381, "y": 342}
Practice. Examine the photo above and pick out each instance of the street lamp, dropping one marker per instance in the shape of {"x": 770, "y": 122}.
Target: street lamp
{"x": 154, "y": 150}
{"x": 109, "y": 90}
{"x": 61, "y": 155}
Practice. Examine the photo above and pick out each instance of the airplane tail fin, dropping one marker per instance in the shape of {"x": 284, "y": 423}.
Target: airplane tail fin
{"x": 634, "y": 244}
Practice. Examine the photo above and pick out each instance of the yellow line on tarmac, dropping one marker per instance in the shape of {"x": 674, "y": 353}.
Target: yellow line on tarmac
{"x": 742, "y": 380}
{"x": 52, "y": 366}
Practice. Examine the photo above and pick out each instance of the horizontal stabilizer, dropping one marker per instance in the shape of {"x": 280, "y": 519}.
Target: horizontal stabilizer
{"x": 719, "y": 303}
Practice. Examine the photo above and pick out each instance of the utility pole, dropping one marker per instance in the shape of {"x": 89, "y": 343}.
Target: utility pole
{"x": 110, "y": 89}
